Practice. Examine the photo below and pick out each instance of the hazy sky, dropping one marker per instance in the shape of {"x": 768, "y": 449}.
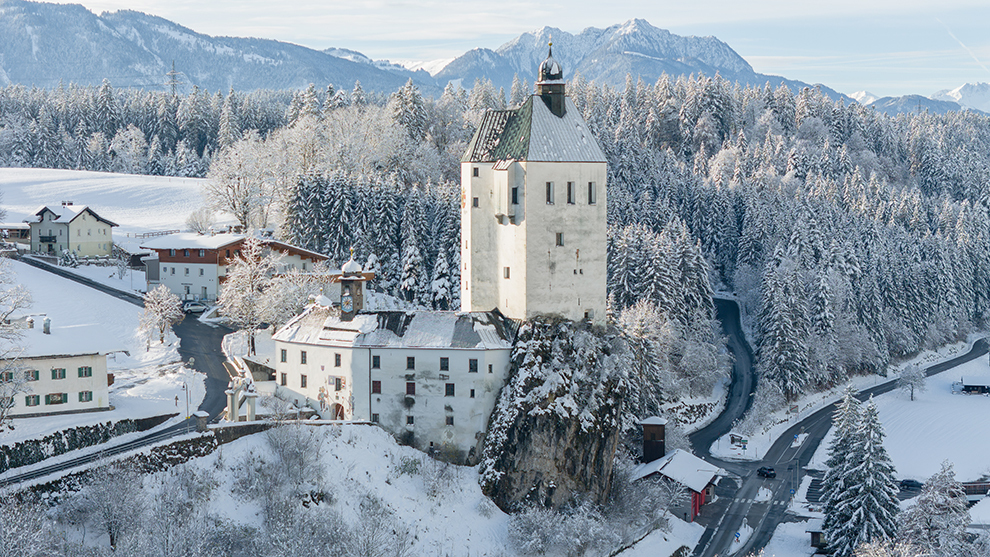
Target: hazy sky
{"x": 889, "y": 47}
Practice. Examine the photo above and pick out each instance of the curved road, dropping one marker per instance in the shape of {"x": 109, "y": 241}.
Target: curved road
{"x": 199, "y": 347}
{"x": 765, "y": 516}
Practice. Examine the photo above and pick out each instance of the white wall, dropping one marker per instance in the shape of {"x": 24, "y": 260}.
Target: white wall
{"x": 72, "y": 385}
{"x": 173, "y": 275}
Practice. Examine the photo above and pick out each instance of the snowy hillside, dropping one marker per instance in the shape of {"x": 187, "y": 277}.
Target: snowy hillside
{"x": 864, "y": 98}
{"x": 136, "y": 203}
{"x": 44, "y": 44}
{"x": 969, "y": 95}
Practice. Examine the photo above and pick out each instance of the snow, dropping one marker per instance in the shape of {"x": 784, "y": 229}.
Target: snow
{"x": 864, "y": 98}
{"x": 136, "y": 203}
{"x": 969, "y": 95}
{"x": 764, "y": 494}
{"x": 980, "y": 512}
{"x": 146, "y": 382}
{"x": 682, "y": 467}
{"x": 662, "y": 544}
{"x": 432, "y": 67}
{"x": 133, "y": 281}
{"x": 938, "y": 425}
{"x": 790, "y": 539}
{"x": 191, "y": 240}
{"x": 745, "y": 531}
{"x": 782, "y": 420}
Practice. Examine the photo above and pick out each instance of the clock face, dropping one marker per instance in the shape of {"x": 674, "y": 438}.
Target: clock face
{"x": 346, "y": 304}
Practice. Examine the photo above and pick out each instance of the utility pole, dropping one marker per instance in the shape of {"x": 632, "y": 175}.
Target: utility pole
{"x": 173, "y": 80}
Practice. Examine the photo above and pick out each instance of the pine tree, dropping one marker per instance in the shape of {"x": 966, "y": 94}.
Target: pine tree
{"x": 440, "y": 285}
{"x": 869, "y": 499}
{"x": 845, "y": 420}
{"x": 412, "y": 272}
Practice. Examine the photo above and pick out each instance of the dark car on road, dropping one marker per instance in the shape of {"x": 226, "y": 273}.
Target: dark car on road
{"x": 911, "y": 485}
{"x": 766, "y": 472}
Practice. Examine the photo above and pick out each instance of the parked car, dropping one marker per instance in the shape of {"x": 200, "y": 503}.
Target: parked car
{"x": 910, "y": 485}
{"x": 766, "y": 472}
{"x": 194, "y": 307}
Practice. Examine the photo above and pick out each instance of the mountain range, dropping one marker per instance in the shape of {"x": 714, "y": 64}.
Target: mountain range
{"x": 43, "y": 45}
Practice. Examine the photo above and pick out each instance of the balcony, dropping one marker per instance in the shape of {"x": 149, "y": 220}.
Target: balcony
{"x": 46, "y": 239}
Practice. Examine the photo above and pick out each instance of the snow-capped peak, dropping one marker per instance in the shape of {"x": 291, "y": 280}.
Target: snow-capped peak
{"x": 864, "y": 98}
{"x": 969, "y": 95}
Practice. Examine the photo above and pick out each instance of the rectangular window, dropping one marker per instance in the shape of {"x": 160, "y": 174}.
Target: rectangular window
{"x": 187, "y": 271}
{"x": 228, "y": 254}
{"x": 444, "y": 364}
{"x": 202, "y": 253}
{"x": 374, "y": 418}
{"x": 376, "y": 362}
{"x": 410, "y": 388}
{"x": 474, "y": 202}
{"x": 473, "y": 365}
{"x": 7, "y": 376}
{"x": 505, "y": 272}
{"x": 284, "y": 355}
{"x": 475, "y": 171}
{"x": 472, "y": 393}
{"x": 338, "y": 383}
{"x": 86, "y": 396}
{"x": 85, "y": 371}
{"x": 32, "y": 375}
{"x": 56, "y": 398}
{"x": 549, "y": 193}
{"x": 489, "y": 368}
{"x": 201, "y": 272}
{"x": 376, "y": 387}
{"x": 185, "y": 253}
{"x": 515, "y": 195}
{"x": 450, "y": 420}
{"x": 410, "y": 362}
{"x": 302, "y": 381}
{"x": 58, "y": 373}
{"x": 172, "y": 270}
{"x": 570, "y": 193}
{"x": 32, "y": 400}
{"x": 336, "y": 360}
{"x": 302, "y": 356}
{"x": 448, "y": 389}
{"x": 285, "y": 379}
{"x": 409, "y": 420}
{"x": 592, "y": 194}
{"x": 560, "y": 238}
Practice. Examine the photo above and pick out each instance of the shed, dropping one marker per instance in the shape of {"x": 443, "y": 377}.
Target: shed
{"x": 975, "y": 384}
{"x": 688, "y": 470}
{"x": 815, "y": 529}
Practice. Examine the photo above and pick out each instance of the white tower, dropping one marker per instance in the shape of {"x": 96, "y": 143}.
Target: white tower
{"x": 533, "y": 209}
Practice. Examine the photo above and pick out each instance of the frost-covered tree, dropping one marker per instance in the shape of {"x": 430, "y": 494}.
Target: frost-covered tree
{"x": 912, "y": 379}
{"x": 162, "y": 309}
{"x": 249, "y": 276}
{"x": 936, "y": 524}
{"x": 869, "y": 498}
{"x": 845, "y": 422}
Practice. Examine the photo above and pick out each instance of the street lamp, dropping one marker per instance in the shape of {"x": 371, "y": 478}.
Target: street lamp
{"x": 185, "y": 389}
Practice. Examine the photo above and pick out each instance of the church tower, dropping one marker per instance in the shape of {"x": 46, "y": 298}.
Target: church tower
{"x": 533, "y": 209}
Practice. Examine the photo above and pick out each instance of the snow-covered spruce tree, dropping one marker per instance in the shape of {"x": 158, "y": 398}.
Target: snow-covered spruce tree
{"x": 553, "y": 433}
{"x": 936, "y": 524}
{"x": 162, "y": 309}
{"x": 845, "y": 420}
{"x": 869, "y": 499}
{"x": 242, "y": 299}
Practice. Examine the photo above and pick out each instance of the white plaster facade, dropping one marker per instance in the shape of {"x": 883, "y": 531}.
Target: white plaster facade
{"x": 416, "y": 400}
{"x": 534, "y": 227}
{"x": 62, "y": 384}
{"x": 75, "y": 228}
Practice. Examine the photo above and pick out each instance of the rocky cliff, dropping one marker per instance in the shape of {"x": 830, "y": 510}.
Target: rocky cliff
{"x": 555, "y": 429}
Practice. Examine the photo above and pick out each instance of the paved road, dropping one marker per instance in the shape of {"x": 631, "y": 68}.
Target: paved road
{"x": 198, "y": 341}
{"x": 788, "y": 461}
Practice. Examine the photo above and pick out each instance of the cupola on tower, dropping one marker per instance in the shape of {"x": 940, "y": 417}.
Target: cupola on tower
{"x": 533, "y": 220}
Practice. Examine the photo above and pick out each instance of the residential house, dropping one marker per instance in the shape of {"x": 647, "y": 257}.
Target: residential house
{"x": 17, "y": 233}
{"x": 194, "y": 266}
{"x": 75, "y": 228}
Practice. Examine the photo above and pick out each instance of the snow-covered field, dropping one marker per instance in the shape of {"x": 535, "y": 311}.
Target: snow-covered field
{"x": 783, "y": 419}
{"x": 790, "y": 540}
{"x": 133, "y": 281}
{"x": 146, "y": 381}
{"x": 661, "y": 544}
{"x": 137, "y": 203}
{"x": 936, "y": 426}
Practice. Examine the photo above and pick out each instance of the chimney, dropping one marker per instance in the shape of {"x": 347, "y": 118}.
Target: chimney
{"x": 46, "y": 326}
{"x": 654, "y": 438}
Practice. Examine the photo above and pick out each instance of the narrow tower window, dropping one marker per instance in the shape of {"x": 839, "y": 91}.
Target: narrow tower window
{"x": 515, "y": 195}
{"x": 560, "y": 238}
{"x": 475, "y": 169}
{"x": 549, "y": 193}
{"x": 570, "y": 193}
{"x": 592, "y": 197}
{"x": 505, "y": 272}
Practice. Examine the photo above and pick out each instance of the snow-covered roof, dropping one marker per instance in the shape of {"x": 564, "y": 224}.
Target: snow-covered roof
{"x": 533, "y": 133}
{"x": 814, "y": 525}
{"x": 398, "y": 329}
{"x": 66, "y": 339}
{"x": 655, "y": 420}
{"x": 682, "y": 467}
{"x": 976, "y": 380}
{"x": 68, "y": 213}
{"x": 14, "y": 226}
{"x": 192, "y": 240}
{"x": 351, "y": 267}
